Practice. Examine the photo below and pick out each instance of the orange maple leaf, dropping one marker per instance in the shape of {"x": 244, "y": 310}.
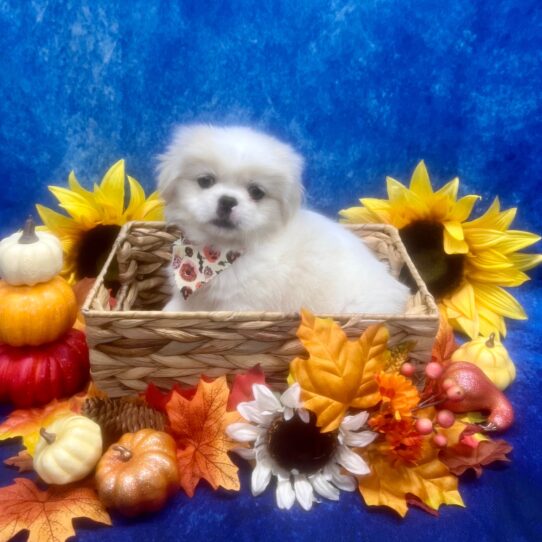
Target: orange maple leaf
{"x": 338, "y": 373}
{"x": 199, "y": 427}
{"x": 444, "y": 345}
{"x": 22, "y": 461}
{"x": 47, "y": 514}
{"x": 26, "y": 423}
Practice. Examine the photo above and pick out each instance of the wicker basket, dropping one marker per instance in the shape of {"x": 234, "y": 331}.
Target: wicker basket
{"x": 135, "y": 343}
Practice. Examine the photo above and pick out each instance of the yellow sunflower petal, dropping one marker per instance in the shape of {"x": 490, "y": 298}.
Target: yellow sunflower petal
{"x": 137, "y": 199}
{"x": 469, "y": 326}
{"x": 359, "y": 215}
{"x": 489, "y": 260}
{"x": 152, "y": 210}
{"x": 454, "y": 246}
{"x": 380, "y": 209}
{"x": 76, "y": 206}
{"x": 406, "y": 201}
{"x": 499, "y": 301}
{"x": 490, "y": 322}
{"x": 514, "y": 240}
{"x": 420, "y": 183}
{"x": 525, "y": 262}
{"x": 74, "y": 185}
{"x": 454, "y": 229}
{"x": 60, "y": 225}
{"x": 396, "y": 190}
{"x": 463, "y": 300}
{"x": 111, "y": 191}
{"x": 507, "y": 277}
{"x": 439, "y": 208}
{"x": 376, "y": 205}
{"x": 482, "y": 238}
{"x": 449, "y": 190}
{"x": 493, "y": 218}
{"x": 463, "y": 208}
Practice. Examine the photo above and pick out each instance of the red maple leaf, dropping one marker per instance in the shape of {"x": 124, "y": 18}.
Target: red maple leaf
{"x": 241, "y": 389}
{"x": 461, "y": 457}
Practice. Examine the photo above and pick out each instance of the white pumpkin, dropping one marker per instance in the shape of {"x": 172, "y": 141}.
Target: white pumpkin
{"x": 30, "y": 257}
{"x": 68, "y": 449}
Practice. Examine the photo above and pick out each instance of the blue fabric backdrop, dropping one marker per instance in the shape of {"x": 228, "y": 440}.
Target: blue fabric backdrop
{"x": 363, "y": 89}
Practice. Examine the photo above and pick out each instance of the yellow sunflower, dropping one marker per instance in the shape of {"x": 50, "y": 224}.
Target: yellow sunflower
{"x": 95, "y": 218}
{"x": 465, "y": 264}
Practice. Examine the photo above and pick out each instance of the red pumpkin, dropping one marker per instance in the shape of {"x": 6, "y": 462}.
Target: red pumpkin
{"x": 35, "y": 375}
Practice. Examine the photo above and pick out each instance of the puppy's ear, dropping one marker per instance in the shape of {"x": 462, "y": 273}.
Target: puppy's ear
{"x": 170, "y": 163}
{"x": 168, "y": 171}
{"x": 293, "y": 188}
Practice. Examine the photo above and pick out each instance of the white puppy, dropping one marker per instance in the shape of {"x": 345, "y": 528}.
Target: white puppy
{"x": 241, "y": 189}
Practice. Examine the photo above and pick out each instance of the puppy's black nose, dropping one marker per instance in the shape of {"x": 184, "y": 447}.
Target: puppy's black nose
{"x": 225, "y": 205}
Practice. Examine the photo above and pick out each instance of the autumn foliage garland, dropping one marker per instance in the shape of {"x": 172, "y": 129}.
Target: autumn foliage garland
{"x": 348, "y": 396}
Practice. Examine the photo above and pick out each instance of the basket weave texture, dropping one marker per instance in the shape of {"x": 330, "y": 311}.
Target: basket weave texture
{"x": 135, "y": 343}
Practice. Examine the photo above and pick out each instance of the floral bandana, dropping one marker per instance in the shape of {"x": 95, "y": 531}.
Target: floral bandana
{"x": 195, "y": 266}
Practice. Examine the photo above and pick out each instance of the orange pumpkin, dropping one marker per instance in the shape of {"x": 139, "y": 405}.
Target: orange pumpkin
{"x": 35, "y": 315}
{"x": 138, "y": 473}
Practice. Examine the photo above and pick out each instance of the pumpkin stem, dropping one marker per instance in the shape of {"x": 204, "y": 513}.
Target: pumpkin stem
{"x": 490, "y": 343}
{"x": 125, "y": 454}
{"x": 29, "y": 233}
{"x": 48, "y": 437}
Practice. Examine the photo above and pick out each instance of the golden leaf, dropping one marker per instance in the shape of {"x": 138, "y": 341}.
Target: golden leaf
{"x": 389, "y": 482}
{"x": 338, "y": 373}
{"x": 199, "y": 428}
{"x": 26, "y": 423}
{"x": 47, "y": 514}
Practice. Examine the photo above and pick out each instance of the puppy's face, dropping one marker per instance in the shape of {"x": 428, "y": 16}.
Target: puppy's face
{"x": 229, "y": 185}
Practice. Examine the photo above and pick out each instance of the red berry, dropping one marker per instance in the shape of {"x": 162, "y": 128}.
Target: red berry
{"x": 445, "y": 418}
{"x": 455, "y": 393}
{"x": 448, "y": 383}
{"x": 407, "y": 369}
{"x": 440, "y": 440}
{"x": 433, "y": 370}
{"x": 424, "y": 426}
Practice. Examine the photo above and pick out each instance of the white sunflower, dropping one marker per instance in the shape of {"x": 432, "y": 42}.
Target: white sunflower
{"x": 289, "y": 446}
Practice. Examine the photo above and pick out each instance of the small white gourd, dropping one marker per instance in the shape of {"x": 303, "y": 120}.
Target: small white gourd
{"x": 30, "y": 257}
{"x": 68, "y": 449}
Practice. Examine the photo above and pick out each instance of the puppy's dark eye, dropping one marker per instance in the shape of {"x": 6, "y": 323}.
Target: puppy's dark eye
{"x": 255, "y": 192}
{"x": 206, "y": 181}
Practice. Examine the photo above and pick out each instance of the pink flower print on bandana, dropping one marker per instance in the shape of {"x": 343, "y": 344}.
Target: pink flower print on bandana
{"x": 195, "y": 266}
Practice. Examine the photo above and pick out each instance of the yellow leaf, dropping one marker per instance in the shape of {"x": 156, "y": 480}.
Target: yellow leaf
{"x": 338, "y": 373}
{"x": 389, "y": 482}
{"x": 26, "y": 423}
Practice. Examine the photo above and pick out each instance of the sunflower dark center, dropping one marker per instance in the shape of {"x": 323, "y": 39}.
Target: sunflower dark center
{"x": 294, "y": 444}
{"x": 94, "y": 248}
{"x": 441, "y": 272}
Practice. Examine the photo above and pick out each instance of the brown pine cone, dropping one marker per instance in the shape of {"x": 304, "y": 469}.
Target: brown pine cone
{"x": 119, "y": 416}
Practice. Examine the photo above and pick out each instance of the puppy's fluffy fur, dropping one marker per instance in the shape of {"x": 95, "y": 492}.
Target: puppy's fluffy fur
{"x": 293, "y": 257}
